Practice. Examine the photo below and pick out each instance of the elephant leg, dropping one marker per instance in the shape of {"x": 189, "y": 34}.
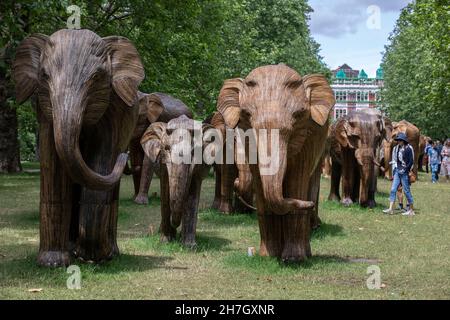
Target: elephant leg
{"x": 421, "y": 163}
{"x": 136, "y": 159}
{"x": 296, "y": 235}
{"x": 313, "y": 195}
{"x": 336, "y": 172}
{"x": 168, "y": 233}
{"x": 349, "y": 168}
{"x": 270, "y": 229}
{"x": 97, "y": 240}
{"x": 146, "y": 180}
{"x": 189, "y": 224}
{"x": 228, "y": 175}
{"x": 216, "y": 202}
{"x": 55, "y": 203}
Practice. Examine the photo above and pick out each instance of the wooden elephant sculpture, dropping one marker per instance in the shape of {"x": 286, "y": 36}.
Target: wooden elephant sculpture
{"x": 154, "y": 107}
{"x": 180, "y": 181}
{"x": 354, "y": 142}
{"x": 413, "y": 134}
{"x": 275, "y": 101}
{"x": 87, "y": 93}
{"x": 423, "y": 140}
{"x": 233, "y": 180}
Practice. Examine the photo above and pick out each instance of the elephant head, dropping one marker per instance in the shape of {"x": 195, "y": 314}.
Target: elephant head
{"x": 164, "y": 143}
{"x": 277, "y": 97}
{"x": 77, "y": 75}
{"x": 362, "y": 133}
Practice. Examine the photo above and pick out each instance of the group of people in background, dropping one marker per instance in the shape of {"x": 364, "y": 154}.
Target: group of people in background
{"x": 402, "y": 164}
{"x": 438, "y": 159}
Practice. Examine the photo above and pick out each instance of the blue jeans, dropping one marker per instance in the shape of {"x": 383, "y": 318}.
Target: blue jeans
{"x": 434, "y": 172}
{"x": 404, "y": 179}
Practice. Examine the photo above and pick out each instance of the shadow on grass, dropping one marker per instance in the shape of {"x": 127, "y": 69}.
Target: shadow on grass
{"x": 332, "y": 205}
{"x": 205, "y": 242}
{"x": 327, "y": 230}
{"x": 18, "y": 270}
{"x": 216, "y": 218}
{"x": 272, "y": 265}
{"x": 21, "y": 220}
{"x": 153, "y": 201}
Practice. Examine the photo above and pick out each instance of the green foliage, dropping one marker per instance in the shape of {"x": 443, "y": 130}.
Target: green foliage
{"x": 188, "y": 47}
{"x": 417, "y": 67}
{"x": 27, "y": 132}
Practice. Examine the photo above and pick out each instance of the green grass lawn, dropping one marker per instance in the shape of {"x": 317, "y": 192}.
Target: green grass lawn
{"x": 413, "y": 253}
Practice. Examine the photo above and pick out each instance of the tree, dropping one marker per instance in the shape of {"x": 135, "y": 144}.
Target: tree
{"x": 417, "y": 67}
{"x": 188, "y": 47}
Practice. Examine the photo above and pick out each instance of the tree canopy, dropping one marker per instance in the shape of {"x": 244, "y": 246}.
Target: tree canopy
{"x": 417, "y": 67}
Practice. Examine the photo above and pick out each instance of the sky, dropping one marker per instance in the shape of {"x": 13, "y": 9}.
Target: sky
{"x": 354, "y": 31}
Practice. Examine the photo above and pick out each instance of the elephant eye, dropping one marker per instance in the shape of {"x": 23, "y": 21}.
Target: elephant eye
{"x": 250, "y": 83}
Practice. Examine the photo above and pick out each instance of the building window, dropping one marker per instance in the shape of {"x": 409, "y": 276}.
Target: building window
{"x": 338, "y": 113}
{"x": 341, "y": 95}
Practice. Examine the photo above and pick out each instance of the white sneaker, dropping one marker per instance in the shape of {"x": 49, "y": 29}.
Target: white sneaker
{"x": 409, "y": 213}
{"x": 388, "y": 211}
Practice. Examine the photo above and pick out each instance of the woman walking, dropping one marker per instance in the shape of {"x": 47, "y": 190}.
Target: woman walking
{"x": 404, "y": 155}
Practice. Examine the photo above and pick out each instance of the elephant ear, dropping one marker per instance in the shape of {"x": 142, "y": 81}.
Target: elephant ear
{"x": 126, "y": 68}
{"x": 320, "y": 97}
{"x": 228, "y": 101}
{"x": 151, "y": 106}
{"x": 153, "y": 140}
{"x": 343, "y": 133}
{"x": 26, "y": 65}
{"x": 387, "y": 124}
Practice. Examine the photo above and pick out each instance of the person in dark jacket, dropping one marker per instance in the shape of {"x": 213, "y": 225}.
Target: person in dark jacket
{"x": 403, "y": 153}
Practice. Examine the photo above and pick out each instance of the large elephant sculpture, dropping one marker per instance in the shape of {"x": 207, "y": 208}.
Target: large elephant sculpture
{"x": 273, "y": 100}
{"x": 87, "y": 92}
{"x": 233, "y": 185}
{"x": 413, "y": 134}
{"x": 154, "y": 107}
{"x": 180, "y": 182}
{"x": 354, "y": 142}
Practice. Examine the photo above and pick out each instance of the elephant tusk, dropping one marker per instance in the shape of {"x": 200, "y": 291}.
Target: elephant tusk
{"x": 245, "y": 202}
{"x": 375, "y": 162}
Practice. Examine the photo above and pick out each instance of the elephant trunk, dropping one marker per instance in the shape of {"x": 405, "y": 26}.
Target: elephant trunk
{"x": 68, "y": 111}
{"x": 366, "y": 160}
{"x": 179, "y": 182}
{"x": 272, "y": 175}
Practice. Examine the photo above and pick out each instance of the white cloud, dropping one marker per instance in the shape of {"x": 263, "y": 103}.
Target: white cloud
{"x": 335, "y": 18}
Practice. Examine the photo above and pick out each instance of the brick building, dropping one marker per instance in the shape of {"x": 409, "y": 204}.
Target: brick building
{"x": 354, "y": 90}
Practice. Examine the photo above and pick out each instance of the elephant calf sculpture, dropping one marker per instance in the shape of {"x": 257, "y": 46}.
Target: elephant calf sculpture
{"x": 154, "y": 107}
{"x": 273, "y": 100}
{"x": 413, "y": 134}
{"x": 87, "y": 94}
{"x": 180, "y": 181}
{"x": 354, "y": 141}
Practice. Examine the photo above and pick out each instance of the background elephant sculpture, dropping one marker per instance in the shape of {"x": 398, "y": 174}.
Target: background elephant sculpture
{"x": 413, "y": 134}
{"x": 423, "y": 140}
{"x": 154, "y": 107}
{"x": 87, "y": 92}
{"x": 233, "y": 180}
{"x": 180, "y": 182}
{"x": 277, "y": 97}
{"x": 354, "y": 142}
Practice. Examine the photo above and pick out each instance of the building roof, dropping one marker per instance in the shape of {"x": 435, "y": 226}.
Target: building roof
{"x": 348, "y": 71}
{"x": 362, "y": 74}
